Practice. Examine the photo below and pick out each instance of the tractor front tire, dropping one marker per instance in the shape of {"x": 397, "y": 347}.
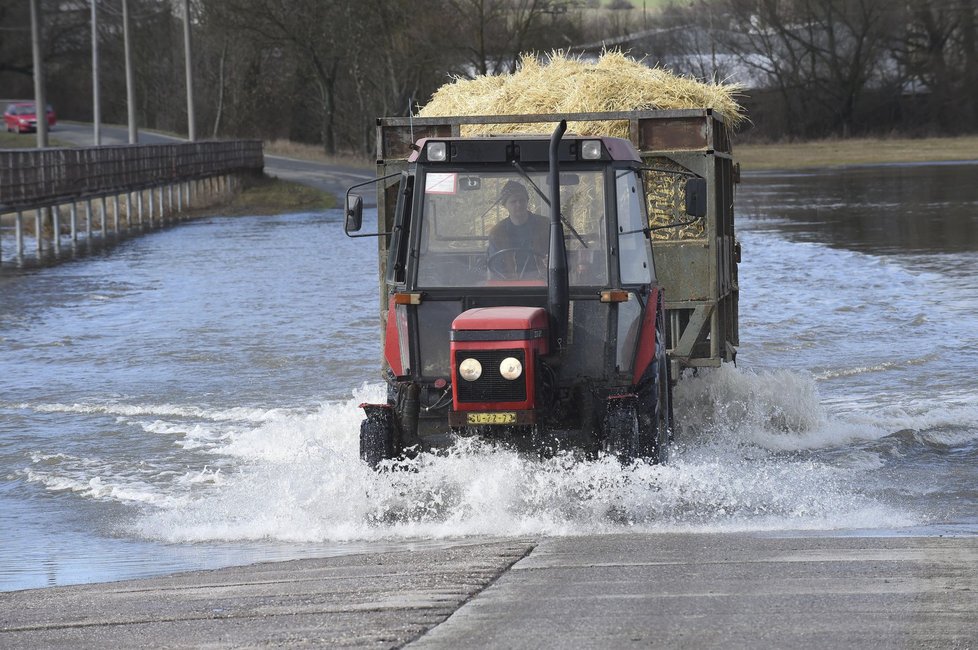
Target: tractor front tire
{"x": 663, "y": 416}
{"x": 621, "y": 429}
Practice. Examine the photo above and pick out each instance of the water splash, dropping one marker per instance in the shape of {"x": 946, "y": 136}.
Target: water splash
{"x": 741, "y": 464}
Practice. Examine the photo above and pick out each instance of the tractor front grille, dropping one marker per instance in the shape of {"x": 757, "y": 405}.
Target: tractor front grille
{"x": 491, "y": 386}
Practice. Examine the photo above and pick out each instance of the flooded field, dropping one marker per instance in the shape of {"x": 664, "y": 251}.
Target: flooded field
{"x": 189, "y": 399}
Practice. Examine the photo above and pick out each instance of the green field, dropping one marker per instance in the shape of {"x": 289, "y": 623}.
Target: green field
{"x": 26, "y": 141}
{"x": 856, "y": 151}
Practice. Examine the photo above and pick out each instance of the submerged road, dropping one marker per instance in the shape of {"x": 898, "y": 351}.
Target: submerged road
{"x": 661, "y": 590}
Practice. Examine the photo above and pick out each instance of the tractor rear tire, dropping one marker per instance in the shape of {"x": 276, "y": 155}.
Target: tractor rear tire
{"x": 377, "y": 436}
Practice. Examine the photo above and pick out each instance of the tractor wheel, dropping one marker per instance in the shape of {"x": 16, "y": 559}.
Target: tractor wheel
{"x": 377, "y": 441}
{"x": 654, "y": 419}
{"x": 638, "y": 427}
{"x": 622, "y": 430}
{"x": 663, "y": 415}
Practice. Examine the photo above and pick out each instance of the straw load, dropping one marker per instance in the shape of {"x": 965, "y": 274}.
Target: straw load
{"x": 565, "y": 84}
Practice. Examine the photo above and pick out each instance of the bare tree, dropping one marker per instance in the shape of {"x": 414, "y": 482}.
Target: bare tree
{"x": 492, "y": 35}
{"x": 818, "y": 54}
{"x": 937, "y": 55}
{"x": 303, "y": 35}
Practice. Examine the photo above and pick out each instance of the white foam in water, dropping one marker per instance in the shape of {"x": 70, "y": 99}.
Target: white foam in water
{"x": 739, "y": 466}
{"x": 162, "y": 410}
{"x": 82, "y": 477}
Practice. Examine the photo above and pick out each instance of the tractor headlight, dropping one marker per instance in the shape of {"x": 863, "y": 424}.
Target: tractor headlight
{"x": 591, "y": 150}
{"x": 437, "y": 151}
{"x": 470, "y": 369}
{"x": 511, "y": 368}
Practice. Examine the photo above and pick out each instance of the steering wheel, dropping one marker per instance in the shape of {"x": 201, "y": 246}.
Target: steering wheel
{"x": 532, "y": 266}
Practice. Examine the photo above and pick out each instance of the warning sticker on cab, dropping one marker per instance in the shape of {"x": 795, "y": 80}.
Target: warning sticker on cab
{"x": 500, "y": 417}
{"x": 441, "y": 183}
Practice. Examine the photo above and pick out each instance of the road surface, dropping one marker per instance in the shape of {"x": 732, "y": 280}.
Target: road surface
{"x": 607, "y": 591}
{"x": 329, "y": 178}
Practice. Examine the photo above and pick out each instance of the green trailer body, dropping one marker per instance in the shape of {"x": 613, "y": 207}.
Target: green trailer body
{"x": 696, "y": 263}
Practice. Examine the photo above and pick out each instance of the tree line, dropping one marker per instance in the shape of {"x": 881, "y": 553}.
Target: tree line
{"x": 839, "y": 67}
{"x": 321, "y": 71}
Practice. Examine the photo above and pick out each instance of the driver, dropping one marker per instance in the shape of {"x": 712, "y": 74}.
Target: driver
{"x": 519, "y": 243}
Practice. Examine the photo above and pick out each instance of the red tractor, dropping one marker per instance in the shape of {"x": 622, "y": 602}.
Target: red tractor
{"x": 522, "y": 303}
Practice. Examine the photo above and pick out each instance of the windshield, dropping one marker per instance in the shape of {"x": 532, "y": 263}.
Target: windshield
{"x": 493, "y": 228}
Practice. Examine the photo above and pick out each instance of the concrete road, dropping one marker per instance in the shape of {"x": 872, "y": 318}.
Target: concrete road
{"x": 81, "y": 135}
{"x": 667, "y": 591}
{"x": 329, "y": 178}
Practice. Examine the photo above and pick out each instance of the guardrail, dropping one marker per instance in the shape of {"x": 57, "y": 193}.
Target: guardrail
{"x": 32, "y": 178}
{"x": 50, "y": 181}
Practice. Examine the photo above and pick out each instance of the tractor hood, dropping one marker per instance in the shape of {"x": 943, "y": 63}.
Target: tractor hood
{"x": 502, "y": 324}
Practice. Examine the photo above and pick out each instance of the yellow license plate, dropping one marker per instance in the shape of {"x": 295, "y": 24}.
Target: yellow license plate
{"x": 502, "y": 417}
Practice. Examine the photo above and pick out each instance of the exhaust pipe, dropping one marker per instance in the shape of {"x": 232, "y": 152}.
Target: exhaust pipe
{"x": 558, "y": 289}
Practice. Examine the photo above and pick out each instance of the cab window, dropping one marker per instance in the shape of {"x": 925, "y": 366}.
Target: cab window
{"x": 635, "y": 252}
{"x": 493, "y": 228}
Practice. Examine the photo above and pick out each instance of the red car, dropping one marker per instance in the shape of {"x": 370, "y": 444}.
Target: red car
{"x": 20, "y": 117}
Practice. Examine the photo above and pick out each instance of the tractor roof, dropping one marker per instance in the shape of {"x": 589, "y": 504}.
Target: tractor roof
{"x": 521, "y": 148}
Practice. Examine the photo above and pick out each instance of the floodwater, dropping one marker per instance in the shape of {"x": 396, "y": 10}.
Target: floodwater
{"x": 189, "y": 399}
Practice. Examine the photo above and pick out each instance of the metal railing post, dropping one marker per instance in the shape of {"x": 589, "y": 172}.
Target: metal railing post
{"x": 74, "y": 222}
{"x": 56, "y": 225}
{"x": 20, "y": 235}
{"x": 105, "y": 214}
{"x": 37, "y": 228}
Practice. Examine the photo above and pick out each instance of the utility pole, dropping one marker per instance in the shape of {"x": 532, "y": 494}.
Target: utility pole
{"x": 191, "y": 127}
{"x": 96, "y": 99}
{"x": 40, "y": 99}
{"x": 130, "y": 84}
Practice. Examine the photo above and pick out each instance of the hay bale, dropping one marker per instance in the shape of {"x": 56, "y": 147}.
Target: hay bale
{"x": 565, "y": 84}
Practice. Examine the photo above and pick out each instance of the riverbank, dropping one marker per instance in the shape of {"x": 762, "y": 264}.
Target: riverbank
{"x": 261, "y": 195}
{"x": 268, "y": 195}
{"x": 855, "y": 151}
{"x": 755, "y": 157}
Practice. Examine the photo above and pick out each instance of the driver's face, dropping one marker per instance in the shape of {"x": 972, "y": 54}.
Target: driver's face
{"x": 516, "y": 205}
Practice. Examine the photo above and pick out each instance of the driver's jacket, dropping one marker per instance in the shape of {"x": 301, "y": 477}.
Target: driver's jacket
{"x": 529, "y": 242}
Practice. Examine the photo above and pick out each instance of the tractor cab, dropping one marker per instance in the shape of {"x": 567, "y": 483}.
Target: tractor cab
{"x": 522, "y": 301}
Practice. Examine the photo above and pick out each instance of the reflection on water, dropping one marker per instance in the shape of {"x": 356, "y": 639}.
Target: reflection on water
{"x": 884, "y": 209}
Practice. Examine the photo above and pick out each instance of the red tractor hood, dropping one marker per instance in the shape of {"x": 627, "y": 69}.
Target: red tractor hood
{"x": 502, "y": 318}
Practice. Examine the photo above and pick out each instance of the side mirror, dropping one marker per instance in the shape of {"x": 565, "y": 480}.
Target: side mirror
{"x": 696, "y": 197}
{"x": 354, "y": 213}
